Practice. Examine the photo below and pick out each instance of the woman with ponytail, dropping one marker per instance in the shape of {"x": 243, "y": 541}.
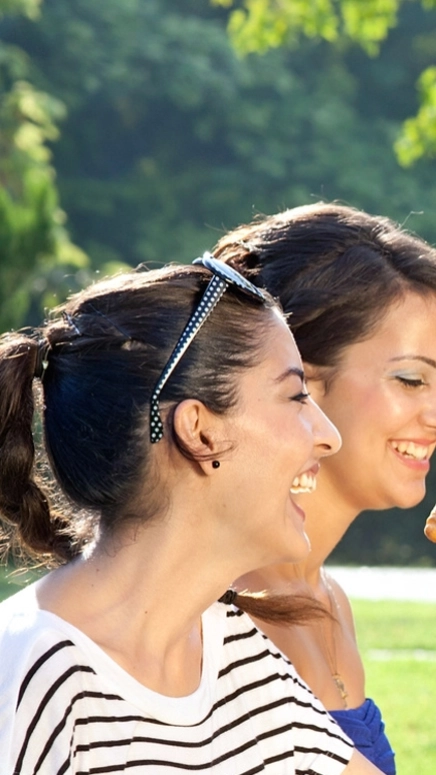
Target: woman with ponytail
{"x": 175, "y": 420}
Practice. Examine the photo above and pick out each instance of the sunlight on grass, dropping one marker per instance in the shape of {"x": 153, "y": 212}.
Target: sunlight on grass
{"x": 404, "y": 685}
{"x": 406, "y": 691}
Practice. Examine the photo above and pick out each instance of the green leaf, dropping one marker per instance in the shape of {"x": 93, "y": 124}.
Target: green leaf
{"x": 29, "y": 8}
{"x": 257, "y": 25}
{"x": 418, "y": 134}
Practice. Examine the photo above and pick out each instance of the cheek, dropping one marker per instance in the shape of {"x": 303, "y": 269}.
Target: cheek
{"x": 390, "y": 408}
{"x": 371, "y": 418}
{"x": 355, "y": 419}
{"x": 353, "y": 403}
{"x": 401, "y": 407}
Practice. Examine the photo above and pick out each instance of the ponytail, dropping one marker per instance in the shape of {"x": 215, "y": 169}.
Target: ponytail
{"x": 279, "y": 609}
{"x": 24, "y": 507}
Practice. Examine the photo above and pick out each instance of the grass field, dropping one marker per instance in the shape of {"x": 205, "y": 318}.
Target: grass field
{"x": 398, "y": 643}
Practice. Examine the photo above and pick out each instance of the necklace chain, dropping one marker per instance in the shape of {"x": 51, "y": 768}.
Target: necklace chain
{"x": 331, "y": 654}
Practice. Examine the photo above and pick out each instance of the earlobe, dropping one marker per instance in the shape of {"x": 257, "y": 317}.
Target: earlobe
{"x": 194, "y": 426}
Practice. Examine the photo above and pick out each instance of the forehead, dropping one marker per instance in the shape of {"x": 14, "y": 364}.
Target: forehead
{"x": 278, "y": 350}
{"x": 407, "y": 328}
{"x": 411, "y": 314}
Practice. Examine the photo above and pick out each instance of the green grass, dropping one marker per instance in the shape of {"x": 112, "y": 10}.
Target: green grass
{"x": 394, "y": 638}
{"x": 398, "y": 644}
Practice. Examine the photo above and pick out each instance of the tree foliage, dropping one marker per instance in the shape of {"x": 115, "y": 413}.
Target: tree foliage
{"x": 171, "y": 137}
{"x": 418, "y": 136}
{"x": 258, "y": 25}
{"x": 29, "y": 8}
{"x": 162, "y": 137}
{"x": 33, "y": 239}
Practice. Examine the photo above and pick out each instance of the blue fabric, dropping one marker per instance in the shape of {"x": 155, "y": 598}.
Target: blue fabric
{"x": 365, "y": 727}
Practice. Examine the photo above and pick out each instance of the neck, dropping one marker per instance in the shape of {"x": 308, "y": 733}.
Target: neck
{"x": 328, "y": 516}
{"x": 147, "y": 585}
{"x": 141, "y": 600}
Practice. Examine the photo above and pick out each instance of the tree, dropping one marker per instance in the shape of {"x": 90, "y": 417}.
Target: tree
{"x": 170, "y": 137}
{"x": 258, "y": 25}
{"x": 35, "y": 249}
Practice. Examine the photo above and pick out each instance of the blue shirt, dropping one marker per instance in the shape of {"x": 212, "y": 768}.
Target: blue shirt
{"x": 365, "y": 727}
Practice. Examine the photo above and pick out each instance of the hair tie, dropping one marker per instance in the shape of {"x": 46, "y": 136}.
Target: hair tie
{"x": 229, "y": 597}
{"x": 41, "y": 361}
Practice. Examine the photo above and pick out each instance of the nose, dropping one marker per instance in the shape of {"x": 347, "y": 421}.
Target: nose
{"x": 327, "y": 439}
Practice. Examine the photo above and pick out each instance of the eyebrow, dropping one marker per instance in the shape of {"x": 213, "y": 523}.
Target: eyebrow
{"x": 292, "y": 371}
{"x": 422, "y": 358}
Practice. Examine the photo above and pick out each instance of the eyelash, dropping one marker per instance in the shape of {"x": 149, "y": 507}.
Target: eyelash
{"x": 411, "y": 383}
{"x": 301, "y": 397}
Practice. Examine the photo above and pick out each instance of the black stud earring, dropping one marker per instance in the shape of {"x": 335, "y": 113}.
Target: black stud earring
{"x": 216, "y": 463}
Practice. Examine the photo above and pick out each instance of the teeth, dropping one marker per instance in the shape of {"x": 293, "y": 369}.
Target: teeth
{"x": 303, "y": 483}
{"x": 409, "y": 449}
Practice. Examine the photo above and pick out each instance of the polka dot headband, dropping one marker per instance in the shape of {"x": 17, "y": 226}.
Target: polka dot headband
{"x": 223, "y": 278}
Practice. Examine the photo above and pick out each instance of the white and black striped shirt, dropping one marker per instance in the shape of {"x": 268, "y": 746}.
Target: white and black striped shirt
{"x": 66, "y": 707}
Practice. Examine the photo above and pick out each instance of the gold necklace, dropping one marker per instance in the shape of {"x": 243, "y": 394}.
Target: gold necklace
{"x": 331, "y": 653}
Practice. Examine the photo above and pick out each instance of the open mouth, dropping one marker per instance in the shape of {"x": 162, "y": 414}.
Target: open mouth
{"x": 411, "y": 450}
{"x": 303, "y": 483}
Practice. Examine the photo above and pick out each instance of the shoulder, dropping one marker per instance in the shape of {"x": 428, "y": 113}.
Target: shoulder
{"x": 258, "y": 679}
{"x": 33, "y": 648}
{"x": 249, "y": 656}
{"x": 21, "y": 625}
{"x": 25, "y": 630}
{"x": 40, "y": 675}
{"x": 343, "y": 603}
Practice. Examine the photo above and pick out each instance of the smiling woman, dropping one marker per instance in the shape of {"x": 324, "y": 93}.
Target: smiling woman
{"x": 277, "y": 437}
{"x": 360, "y": 294}
{"x": 383, "y": 394}
{"x": 175, "y": 421}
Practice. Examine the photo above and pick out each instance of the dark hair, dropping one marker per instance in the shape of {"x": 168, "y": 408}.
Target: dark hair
{"x": 104, "y": 352}
{"x": 336, "y": 270}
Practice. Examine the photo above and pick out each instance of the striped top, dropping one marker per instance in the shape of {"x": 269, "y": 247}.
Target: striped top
{"x": 67, "y": 707}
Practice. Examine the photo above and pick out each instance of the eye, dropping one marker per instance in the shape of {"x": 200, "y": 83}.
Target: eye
{"x": 411, "y": 382}
{"x": 300, "y": 397}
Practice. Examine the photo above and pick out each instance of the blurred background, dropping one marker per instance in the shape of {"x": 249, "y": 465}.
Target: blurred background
{"x": 140, "y": 130}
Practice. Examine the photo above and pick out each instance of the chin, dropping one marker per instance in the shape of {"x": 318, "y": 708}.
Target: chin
{"x": 411, "y": 502}
{"x": 408, "y": 501}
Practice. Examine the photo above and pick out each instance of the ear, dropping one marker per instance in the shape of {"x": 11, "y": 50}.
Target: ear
{"x": 199, "y": 431}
